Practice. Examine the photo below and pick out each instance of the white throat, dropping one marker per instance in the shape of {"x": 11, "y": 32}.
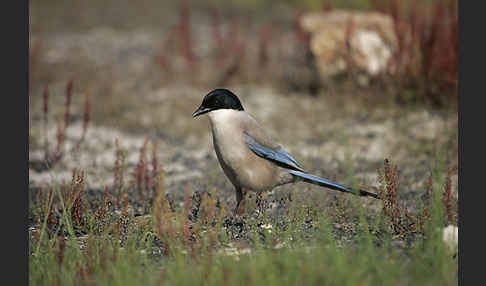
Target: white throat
{"x": 222, "y": 115}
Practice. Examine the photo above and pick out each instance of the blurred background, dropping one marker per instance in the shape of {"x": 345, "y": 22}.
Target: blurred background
{"x": 341, "y": 84}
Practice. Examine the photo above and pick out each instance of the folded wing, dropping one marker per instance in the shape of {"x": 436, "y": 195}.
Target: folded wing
{"x": 276, "y": 154}
{"x": 279, "y": 156}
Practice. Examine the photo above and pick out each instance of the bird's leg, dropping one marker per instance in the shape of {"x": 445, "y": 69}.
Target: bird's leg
{"x": 240, "y": 201}
{"x": 239, "y": 197}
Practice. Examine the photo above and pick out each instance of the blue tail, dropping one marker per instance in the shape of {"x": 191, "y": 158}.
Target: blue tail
{"x": 328, "y": 184}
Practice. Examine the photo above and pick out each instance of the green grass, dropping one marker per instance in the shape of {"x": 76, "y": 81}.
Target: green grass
{"x": 154, "y": 250}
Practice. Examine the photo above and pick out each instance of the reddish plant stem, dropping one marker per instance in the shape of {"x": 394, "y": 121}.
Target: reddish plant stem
{"x": 154, "y": 164}
{"x": 86, "y": 117}
{"x": 61, "y": 131}
{"x": 140, "y": 173}
{"x": 185, "y": 33}
{"x": 116, "y": 172}
{"x": 45, "y": 97}
{"x": 218, "y": 40}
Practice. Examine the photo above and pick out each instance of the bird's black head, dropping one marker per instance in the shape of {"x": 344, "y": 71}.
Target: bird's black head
{"x": 218, "y": 99}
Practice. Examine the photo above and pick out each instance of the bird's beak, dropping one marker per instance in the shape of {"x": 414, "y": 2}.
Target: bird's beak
{"x": 201, "y": 110}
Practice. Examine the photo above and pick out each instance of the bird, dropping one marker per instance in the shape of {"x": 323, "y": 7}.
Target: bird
{"x": 250, "y": 158}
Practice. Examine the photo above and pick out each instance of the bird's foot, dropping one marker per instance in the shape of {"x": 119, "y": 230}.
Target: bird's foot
{"x": 240, "y": 208}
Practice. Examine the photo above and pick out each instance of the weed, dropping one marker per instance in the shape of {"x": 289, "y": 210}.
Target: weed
{"x": 75, "y": 201}
{"x": 35, "y": 53}
{"x": 155, "y": 164}
{"x": 142, "y": 176}
{"x": 185, "y": 33}
{"x": 100, "y": 213}
{"x": 86, "y": 118}
{"x": 447, "y": 198}
{"x": 45, "y": 97}
{"x": 426, "y": 57}
{"x": 163, "y": 58}
{"x": 401, "y": 221}
{"x": 117, "y": 173}
{"x": 236, "y": 47}
{"x": 61, "y": 128}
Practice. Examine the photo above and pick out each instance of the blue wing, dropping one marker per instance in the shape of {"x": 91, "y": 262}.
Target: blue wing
{"x": 279, "y": 156}
{"x": 285, "y": 160}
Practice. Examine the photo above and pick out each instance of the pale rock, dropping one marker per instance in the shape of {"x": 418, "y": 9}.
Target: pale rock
{"x": 371, "y": 41}
{"x": 450, "y": 236}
